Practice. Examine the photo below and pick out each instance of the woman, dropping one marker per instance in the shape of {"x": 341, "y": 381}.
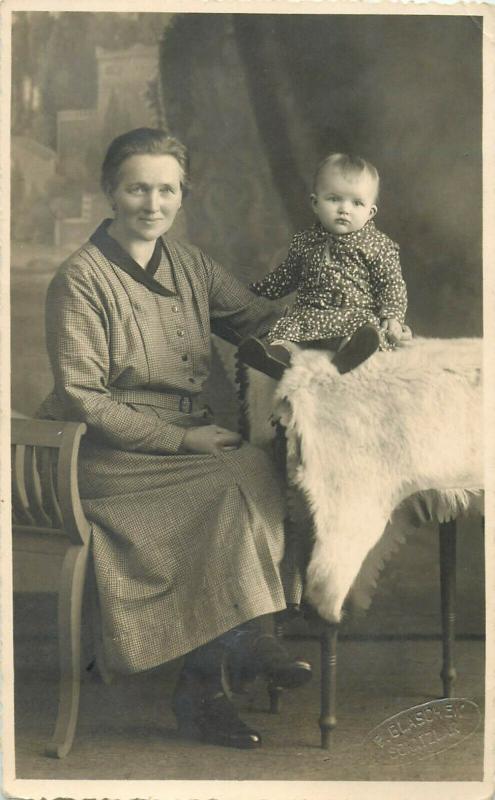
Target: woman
{"x": 187, "y": 519}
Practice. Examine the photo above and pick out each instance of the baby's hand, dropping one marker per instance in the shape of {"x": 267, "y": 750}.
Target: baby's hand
{"x": 392, "y": 329}
{"x": 406, "y": 334}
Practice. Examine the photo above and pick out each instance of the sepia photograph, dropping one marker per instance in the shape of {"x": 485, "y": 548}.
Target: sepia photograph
{"x": 245, "y": 289}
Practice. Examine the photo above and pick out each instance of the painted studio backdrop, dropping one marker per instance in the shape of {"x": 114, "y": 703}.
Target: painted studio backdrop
{"x": 259, "y": 99}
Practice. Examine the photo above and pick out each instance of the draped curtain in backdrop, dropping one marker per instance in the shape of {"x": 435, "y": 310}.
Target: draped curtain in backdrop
{"x": 259, "y": 99}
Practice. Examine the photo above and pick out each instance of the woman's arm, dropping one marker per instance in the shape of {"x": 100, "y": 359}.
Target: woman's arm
{"x": 78, "y": 346}
{"x": 234, "y": 311}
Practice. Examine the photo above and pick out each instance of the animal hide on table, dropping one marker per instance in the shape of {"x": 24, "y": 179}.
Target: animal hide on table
{"x": 362, "y": 445}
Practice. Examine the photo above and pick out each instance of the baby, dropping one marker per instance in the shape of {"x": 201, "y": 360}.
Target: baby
{"x": 351, "y": 298}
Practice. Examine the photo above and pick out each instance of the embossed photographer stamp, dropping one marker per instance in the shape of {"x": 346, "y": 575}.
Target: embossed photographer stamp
{"x": 423, "y": 731}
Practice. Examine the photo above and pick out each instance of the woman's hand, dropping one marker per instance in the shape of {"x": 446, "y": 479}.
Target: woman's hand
{"x": 209, "y": 439}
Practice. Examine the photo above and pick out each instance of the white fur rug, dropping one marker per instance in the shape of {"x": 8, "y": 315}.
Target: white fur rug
{"x": 362, "y": 445}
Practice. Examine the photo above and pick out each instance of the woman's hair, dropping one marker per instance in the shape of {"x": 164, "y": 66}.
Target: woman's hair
{"x": 347, "y": 164}
{"x": 138, "y": 142}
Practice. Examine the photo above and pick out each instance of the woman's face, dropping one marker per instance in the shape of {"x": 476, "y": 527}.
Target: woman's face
{"x": 148, "y": 196}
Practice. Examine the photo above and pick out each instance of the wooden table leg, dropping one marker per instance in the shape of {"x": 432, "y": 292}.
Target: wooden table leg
{"x": 447, "y": 532}
{"x": 328, "y": 717}
{"x": 275, "y": 692}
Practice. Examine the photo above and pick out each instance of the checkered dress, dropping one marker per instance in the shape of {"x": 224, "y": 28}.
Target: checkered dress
{"x": 185, "y": 546}
{"x": 342, "y": 282}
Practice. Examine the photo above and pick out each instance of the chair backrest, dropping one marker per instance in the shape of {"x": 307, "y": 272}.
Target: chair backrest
{"x": 45, "y": 494}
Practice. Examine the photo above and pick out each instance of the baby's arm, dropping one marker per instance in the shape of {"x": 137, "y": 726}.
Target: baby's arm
{"x": 390, "y": 292}
{"x": 284, "y": 279}
{"x": 388, "y": 285}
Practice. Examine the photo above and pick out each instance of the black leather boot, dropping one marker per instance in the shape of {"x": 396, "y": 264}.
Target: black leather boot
{"x": 362, "y": 344}
{"x": 202, "y": 707}
{"x": 272, "y": 359}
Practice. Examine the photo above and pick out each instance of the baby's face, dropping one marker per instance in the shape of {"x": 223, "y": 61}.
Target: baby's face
{"x": 344, "y": 203}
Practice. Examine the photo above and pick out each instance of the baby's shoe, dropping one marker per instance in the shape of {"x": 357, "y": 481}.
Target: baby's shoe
{"x": 362, "y": 344}
{"x": 272, "y": 359}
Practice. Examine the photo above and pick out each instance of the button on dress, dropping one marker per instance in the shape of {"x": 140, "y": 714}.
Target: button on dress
{"x": 185, "y": 546}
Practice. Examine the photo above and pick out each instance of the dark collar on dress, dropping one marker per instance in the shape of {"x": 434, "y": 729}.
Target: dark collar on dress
{"x": 115, "y": 253}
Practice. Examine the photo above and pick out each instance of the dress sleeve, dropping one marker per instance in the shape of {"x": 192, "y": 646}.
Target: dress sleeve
{"x": 234, "y": 311}
{"x": 387, "y": 283}
{"x": 77, "y": 335}
{"x": 285, "y": 278}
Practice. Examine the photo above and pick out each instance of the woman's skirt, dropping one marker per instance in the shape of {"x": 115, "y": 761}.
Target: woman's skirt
{"x": 185, "y": 547}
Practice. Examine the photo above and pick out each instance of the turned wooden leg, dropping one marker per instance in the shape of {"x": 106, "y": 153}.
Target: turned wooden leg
{"x": 447, "y": 533}
{"x": 242, "y": 380}
{"x": 70, "y": 599}
{"x": 328, "y": 717}
{"x": 275, "y": 692}
{"x": 278, "y": 628}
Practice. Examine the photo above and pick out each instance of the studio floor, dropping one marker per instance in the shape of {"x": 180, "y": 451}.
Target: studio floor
{"x": 389, "y": 660}
{"x": 126, "y": 731}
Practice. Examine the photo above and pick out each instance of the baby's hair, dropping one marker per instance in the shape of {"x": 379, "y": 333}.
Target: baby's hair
{"x": 347, "y": 164}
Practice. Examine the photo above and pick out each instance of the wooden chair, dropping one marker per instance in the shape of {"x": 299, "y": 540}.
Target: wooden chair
{"x": 329, "y": 631}
{"x": 47, "y": 518}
